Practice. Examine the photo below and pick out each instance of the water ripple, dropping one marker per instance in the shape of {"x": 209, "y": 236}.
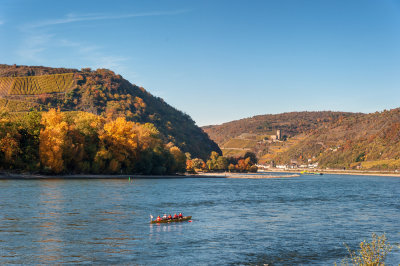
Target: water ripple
{"x": 235, "y": 222}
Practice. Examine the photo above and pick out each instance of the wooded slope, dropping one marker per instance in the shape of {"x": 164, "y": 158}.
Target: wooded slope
{"x": 101, "y": 92}
{"x": 364, "y": 141}
{"x": 331, "y": 139}
{"x": 238, "y": 137}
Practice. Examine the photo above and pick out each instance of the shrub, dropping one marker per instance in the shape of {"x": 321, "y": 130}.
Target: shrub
{"x": 370, "y": 253}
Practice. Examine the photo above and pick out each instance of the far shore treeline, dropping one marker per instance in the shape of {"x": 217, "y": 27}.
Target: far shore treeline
{"x": 56, "y": 142}
{"x": 81, "y": 142}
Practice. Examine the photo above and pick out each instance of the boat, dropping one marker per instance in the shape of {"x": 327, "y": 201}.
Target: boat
{"x": 176, "y": 220}
{"x": 310, "y": 173}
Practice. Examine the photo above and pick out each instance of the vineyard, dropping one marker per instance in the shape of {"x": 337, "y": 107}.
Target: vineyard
{"x": 35, "y": 85}
{"x": 3, "y": 103}
{"x": 5, "y": 85}
{"x": 17, "y": 106}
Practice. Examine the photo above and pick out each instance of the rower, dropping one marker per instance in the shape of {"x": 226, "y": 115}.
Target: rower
{"x": 164, "y": 217}
{"x": 180, "y": 215}
{"x": 158, "y": 218}
{"x": 169, "y": 217}
{"x": 175, "y": 216}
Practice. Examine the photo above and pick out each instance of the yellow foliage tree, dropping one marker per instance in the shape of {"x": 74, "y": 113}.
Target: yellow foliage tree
{"x": 120, "y": 142}
{"x": 10, "y": 147}
{"x": 52, "y": 140}
{"x": 88, "y": 123}
{"x": 148, "y": 135}
{"x": 180, "y": 160}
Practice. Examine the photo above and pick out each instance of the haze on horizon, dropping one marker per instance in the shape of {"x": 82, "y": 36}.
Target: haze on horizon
{"x": 221, "y": 60}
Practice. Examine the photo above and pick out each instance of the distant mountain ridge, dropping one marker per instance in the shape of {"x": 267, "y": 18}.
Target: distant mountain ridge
{"x": 364, "y": 141}
{"x": 331, "y": 139}
{"x": 254, "y": 134}
{"x": 102, "y": 92}
{"x": 290, "y": 124}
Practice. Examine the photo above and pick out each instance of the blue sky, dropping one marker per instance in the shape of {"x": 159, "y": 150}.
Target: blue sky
{"x": 221, "y": 60}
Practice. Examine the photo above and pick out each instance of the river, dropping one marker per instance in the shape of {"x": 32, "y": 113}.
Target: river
{"x": 283, "y": 221}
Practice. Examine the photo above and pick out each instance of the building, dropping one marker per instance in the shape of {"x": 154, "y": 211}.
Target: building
{"x": 278, "y": 135}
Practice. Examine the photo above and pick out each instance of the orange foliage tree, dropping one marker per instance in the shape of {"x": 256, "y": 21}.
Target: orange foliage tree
{"x": 9, "y": 145}
{"x": 53, "y": 140}
{"x": 119, "y": 145}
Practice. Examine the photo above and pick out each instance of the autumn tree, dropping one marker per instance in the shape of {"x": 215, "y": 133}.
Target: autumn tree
{"x": 86, "y": 131}
{"x": 198, "y": 164}
{"x": 222, "y": 163}
{"x": 29, "y": 130}
{"x": 81, "y": 142}
{"x": 212, "y": 161}
{"x": 119, "y": 146}
{"x": 9, "y": 146}
{"x": 52, "y": 140}
{"x": 179, "y": 165}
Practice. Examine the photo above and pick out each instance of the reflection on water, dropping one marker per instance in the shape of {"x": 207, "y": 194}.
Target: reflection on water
{"x": 302, "y": 220}
{"x": 50, "y": 203}
{"x": 175, "y": 228}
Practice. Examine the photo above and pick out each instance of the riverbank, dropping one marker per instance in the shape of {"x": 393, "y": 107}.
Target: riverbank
{"x": 27, "y": 176}
{"x": 278, "y": 173}
{"x": 338, "y": 172}
{"x": 252, "y": 175}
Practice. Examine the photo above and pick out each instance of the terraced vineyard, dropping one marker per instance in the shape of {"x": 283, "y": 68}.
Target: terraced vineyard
{"x": 21, "y": 106}
{"x": 16, "y": 105}
{"x": 35, "y": 85}
{"x": 5, "y": 85}
{"x": 3, "y": 103}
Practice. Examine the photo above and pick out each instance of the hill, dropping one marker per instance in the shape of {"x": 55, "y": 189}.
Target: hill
{"x": 328, "y": 139}
{"x": 100, "y": 92}
{"x": 363, "y": 141}
{"x": 258, "y": 134}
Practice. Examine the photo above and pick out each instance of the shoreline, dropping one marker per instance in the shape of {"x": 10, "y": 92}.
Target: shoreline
{"x": 26, "y": 176}
{"x": 259, "y": 175}
{"x": 252, "y": 175}
{"x": 338, "y": 172}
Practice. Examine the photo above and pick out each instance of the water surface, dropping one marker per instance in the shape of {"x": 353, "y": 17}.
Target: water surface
{"x": 283, "y": 221}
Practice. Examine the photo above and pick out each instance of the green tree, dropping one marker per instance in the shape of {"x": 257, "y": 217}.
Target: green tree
{"x": 212, "y": 161}
{"x": 222, "y": 163}
{"x": 252, "y": 156}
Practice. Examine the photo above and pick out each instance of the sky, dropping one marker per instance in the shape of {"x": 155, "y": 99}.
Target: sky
{"x": 221, "y": 60}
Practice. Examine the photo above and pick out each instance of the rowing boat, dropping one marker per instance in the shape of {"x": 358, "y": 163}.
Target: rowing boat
{"x": 185, "y": 218}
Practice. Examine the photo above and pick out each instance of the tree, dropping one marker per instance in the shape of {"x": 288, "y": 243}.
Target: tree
{"x": 119, "y": 146}
{"x": 212, "y": 162}
{"x": 252, "y": 156}
{"x": 231, "y": 168}
{"x": 9, "y": 145}
{"x": 179, "y": 165}
{"x": 30, "y": 139}
{"x": 198, "y": 164}
{"x": 222, "y": 163}
{"x": 87, "y": 125}
{"x": 189, "y": 166}
{"x": 243, "y": 165}
{"x": 52, "y": 140}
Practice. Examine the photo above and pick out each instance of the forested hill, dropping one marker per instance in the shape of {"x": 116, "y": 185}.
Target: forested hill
{"x": 258, "y": 134}
{"x": 368, "y": 141}
{"x": 101, "y": 92}
{"x": 290, "y": 124}
{"x": 329, "y": 139}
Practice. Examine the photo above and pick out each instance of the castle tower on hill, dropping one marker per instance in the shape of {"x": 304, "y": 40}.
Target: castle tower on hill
{"x": 278, "y": 134}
